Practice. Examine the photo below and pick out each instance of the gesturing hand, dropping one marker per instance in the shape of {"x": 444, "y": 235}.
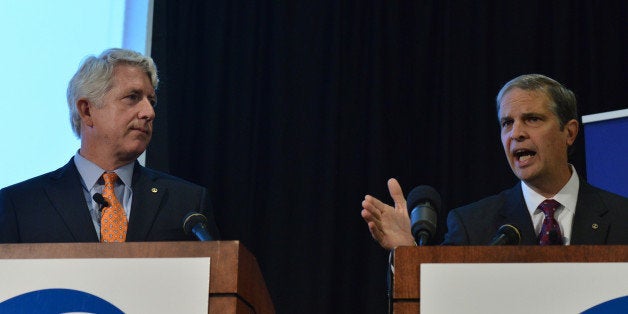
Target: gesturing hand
{"x": 390, "y": 226}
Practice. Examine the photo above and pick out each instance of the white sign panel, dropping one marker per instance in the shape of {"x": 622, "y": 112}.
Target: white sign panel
{"x": 117, "y": 285}
{"x": 523, "y": 288}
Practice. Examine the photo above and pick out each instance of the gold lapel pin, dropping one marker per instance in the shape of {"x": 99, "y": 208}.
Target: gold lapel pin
{"x": 154, "y": 190}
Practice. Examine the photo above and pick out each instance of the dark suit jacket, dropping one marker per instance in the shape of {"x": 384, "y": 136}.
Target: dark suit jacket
{"x": 52, "y": 208}
{"x": 601, "y": 218}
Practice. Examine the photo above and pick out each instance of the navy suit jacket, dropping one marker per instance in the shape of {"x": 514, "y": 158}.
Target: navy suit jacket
{"x": 601, "y": 218}
{"x": 52, "y": 208}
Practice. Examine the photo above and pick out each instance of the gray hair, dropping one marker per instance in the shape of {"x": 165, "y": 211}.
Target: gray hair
{"x": 94, "y": 78}
{"x": 563, "y": 105}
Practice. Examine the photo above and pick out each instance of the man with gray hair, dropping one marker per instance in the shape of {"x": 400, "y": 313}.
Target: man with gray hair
{"x": 103, "y": 193}
{"x": 550, "y": 205}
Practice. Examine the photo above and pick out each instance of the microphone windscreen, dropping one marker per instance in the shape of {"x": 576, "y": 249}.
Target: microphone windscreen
{"x": 555, "y": 237}
{"x": 422, "y": 194}
{"x": 98, "y": 198}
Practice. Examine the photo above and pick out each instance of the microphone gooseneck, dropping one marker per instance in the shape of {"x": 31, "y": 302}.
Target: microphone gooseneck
{"x": 196, "y": 223}
{"x": 507, "y": 235}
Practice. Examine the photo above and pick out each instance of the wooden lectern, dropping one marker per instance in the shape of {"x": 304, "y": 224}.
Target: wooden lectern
{"x": 408, "y": 260}
{"x": 236, "y": 283}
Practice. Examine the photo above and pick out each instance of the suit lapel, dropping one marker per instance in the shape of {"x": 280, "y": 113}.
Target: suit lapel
{"x": 147, "y": 197}
{"x": 65, "y": 193}
{"x": 590, "y": 224}
{"x": 515, "y": 212}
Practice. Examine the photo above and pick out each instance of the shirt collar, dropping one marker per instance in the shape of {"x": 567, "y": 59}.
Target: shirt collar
{"x": 90, "y": 172}
{"x": 567, "y": 196}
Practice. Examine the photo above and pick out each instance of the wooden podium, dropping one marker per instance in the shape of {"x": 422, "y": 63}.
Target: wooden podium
{"x": 236, "y": 283}
{"x": 408, "y": 260}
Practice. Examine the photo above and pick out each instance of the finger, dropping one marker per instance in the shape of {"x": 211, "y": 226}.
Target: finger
{"x": 367, "y": 215}
{"x": 397, "y": 194}
{"x": 371, "y": 219}
{"x": 370, "y": 222}
{"x": 375, "y": 206}
{"x": 376, "y": 233}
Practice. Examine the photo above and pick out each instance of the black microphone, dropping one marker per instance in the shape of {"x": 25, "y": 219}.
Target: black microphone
{"x": 98, "y": 198}
{"x": 196, "y": 223}
{"x": 507, "y": 235}
{"x": 423, "y": 204}
{"x": 555, "y": 237}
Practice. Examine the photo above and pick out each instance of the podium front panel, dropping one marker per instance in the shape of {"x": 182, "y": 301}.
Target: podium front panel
{"x": 521, "y": 288}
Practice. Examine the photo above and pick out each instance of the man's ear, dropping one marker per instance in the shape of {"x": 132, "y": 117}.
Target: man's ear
{"x": 83, "y": 106}
{"x": 572, "y": 127}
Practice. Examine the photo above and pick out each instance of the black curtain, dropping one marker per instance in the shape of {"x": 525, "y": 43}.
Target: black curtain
{"x": 291, "y": 111}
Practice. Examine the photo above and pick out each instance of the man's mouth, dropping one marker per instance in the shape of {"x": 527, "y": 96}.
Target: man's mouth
{"x": 522, "y": 155}
{"x": 143, "y": 130}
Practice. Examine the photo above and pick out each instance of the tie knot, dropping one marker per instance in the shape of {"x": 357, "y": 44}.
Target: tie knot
{"x": 548, "y": 207}
{"x": 110, "y": 177}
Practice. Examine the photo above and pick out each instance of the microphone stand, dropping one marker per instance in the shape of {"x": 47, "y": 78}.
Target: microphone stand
{"x": 390, "y": 275}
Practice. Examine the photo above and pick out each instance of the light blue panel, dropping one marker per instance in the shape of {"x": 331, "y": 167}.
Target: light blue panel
{"x": 43, "y": 43}
{"x": 136, "y": 19}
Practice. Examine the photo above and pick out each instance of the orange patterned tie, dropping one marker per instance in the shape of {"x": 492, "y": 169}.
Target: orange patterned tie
{"x": 113, "y": 222}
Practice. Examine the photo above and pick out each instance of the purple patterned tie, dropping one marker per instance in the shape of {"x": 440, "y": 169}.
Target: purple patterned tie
{"x": 550, "y": 232}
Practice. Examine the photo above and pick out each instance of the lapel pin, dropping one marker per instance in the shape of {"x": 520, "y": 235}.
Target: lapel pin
{"x": 594, "y": 226}
{"x": 154, "y": 190}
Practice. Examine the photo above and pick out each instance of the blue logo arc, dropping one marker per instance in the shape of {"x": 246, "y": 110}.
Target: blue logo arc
{"x": 56, "y": 301}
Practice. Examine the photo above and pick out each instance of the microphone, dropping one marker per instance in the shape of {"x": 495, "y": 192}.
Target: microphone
{"x": 555, "y": 237}
{"x": 507, "y": 235}
{"x": 423, "y": 204}
{"x": 196, "y": 223}
{"x": 98, "y": 198}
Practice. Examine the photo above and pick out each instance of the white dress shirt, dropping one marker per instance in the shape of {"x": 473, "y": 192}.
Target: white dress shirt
{"x": 567, "y": 197}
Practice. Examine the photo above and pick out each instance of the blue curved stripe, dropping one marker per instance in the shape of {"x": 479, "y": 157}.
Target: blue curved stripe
{"x": 49, "y": 301}
{"x": 619, "y": 305}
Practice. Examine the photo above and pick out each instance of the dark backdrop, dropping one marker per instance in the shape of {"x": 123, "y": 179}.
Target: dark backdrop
{"x": 291, "y": 111}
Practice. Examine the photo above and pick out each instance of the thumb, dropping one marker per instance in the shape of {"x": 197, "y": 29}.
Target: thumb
{"x": 397, "y": 194}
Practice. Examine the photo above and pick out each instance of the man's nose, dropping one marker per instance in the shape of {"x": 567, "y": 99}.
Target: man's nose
{"x": 147, "y": 111}
{"x": 518, "y": 132}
